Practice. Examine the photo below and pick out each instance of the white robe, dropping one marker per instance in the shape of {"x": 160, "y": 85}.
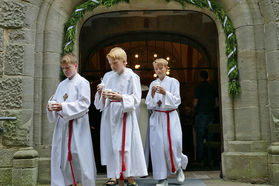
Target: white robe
{"x": 159, "y": 143}
{"x": 128, "y": 85}
{"x": 75, "y": 107}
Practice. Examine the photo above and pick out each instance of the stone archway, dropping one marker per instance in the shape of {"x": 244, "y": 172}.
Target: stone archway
{"x": 242, "y": 115}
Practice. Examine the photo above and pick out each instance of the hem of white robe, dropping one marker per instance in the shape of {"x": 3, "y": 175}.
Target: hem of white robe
{"x": 126, "y": 176}
{"x": 160, "y": 175}
{"x": 184, "y": 161}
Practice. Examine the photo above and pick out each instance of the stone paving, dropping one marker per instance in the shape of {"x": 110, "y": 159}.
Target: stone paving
{"x": 193, "y": 178}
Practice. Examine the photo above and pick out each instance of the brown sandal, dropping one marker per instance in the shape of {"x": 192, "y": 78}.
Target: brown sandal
{"x": 111, "y": 182}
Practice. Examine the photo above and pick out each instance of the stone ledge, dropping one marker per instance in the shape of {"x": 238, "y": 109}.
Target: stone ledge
{"x": 274, "y": 149}
{"x": 26, "y": 153}
{"x": 246, "y": 146}
{"x": 25, "y": 163}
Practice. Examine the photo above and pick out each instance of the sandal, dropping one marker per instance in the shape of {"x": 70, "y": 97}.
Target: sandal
{"x": 132, "y": 184}
{"x": 111, "y": 182}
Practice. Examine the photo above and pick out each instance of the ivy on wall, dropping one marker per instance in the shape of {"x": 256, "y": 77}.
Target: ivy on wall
{"x": 231, "y": 42}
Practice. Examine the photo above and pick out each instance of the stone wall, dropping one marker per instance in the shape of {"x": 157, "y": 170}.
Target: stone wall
{"x": 270, "y": 11}
{"x": 17, "y": 36}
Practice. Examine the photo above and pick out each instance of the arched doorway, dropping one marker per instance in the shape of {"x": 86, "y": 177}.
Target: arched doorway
{"x": 244, "y": 156}
{"x": 145, "y": 37}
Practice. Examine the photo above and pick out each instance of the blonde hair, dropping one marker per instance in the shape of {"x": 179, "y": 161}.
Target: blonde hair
{"x": 69, "y": 59}
{"x": 161, "y": 61}
{"x": 117, "y": 53}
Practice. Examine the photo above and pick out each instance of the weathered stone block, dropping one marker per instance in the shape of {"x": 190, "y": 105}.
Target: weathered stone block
{"x": 6, "y": 155}
{"x": 14, "y": 60}
{"x": 25, "y": 177}
{"x": 242, "y": 9}
{"x": 44, "y": 171}
{"x": 272, "y": 66}
{"x": 272, "y": 36}
{"x": 275, "y": 8}
{"x": 6, "y": 176}
{"x": 259, "y": 37}
{"x": 247, "y": 125}
{"x": 246, "y": 146}
{"x": 247, "y": 64}
{"x": 245, "y": 38}
{"x": 25, "y": 170}
{"x": 269, "y": 9}
{"x": 274, "y": 172}
{"x": 273, "y": 159}
{"x": 29, "y": 163}
{"x": 22, "y": 36}
{"x": 28, "y": 92}
{"x": 17, "y": 132}
{"x": 52, "y": 41}
{"x": 249, "y": 94}
{"x": 229, "y": 4}
{"x": 11, "y": 93}
{"x": 31, "y": 19}
{"x": 1, "y": 39}
{"x": 12, "y": 14}
{"x": 1, "y": 64}
{"x": 253, "y": 166}
{"x": 261, "y": 64}
{"x": 228, "y": 127}
{"x": 255, "y": 12}
{"x": 265, "y": 122}
{"x": 273, "y": 87}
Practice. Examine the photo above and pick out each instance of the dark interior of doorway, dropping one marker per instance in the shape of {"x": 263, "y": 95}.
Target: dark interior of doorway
{"x": 186, "y": 59}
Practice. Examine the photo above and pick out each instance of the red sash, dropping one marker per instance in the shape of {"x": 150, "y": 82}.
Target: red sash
{"x": 123, "y": 143}
{"x": 169, "y": 136}
{"x": 69, "y": 148}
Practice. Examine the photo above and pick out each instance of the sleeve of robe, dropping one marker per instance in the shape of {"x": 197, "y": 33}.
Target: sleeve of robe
{"x": 150, "y": 102}
{"x": 131, "y": 101}
{"x": 98, "y": 101}
{"x": 172, "y": 98}
{"x": 76, "y": 109}
{"x": 52, "y": 115}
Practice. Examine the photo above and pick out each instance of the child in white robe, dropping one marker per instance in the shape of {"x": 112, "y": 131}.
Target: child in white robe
{"x": 118, "y": 99}
{"x": 163, "y": 99}
{"x": 72, "y": 157}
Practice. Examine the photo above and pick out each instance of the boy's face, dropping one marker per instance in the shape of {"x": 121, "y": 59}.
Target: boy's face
{"x": 69, "y": 69}
{"x": 117, "y": 65}
{"x": 160, "y": 70}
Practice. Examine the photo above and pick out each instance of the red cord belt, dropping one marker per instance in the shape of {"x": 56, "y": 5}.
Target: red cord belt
{"x": 69, "y": 148}
{"x": 169, "y": 137}
{"x": 123, "y": 143}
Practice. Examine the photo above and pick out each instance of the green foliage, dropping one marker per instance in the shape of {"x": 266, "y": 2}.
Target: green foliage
{"x": 216, "y": 8}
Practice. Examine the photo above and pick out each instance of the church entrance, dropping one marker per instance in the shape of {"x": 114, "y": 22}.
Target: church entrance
{"x": 187, "y": 39}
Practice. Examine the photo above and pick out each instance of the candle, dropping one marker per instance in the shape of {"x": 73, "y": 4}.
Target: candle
{"x": 50, "y": 104}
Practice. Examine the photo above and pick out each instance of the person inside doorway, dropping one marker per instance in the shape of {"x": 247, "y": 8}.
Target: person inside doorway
{"x": 205, "y": 101}
{"x": 163, "y": 99}
{"x": 118, "y": 97}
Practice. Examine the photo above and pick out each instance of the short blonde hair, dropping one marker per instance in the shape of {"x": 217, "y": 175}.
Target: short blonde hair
{"x": 161, "y": 61}
{"x": 69, "y": 59}
{"x": 117, "y": 53}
